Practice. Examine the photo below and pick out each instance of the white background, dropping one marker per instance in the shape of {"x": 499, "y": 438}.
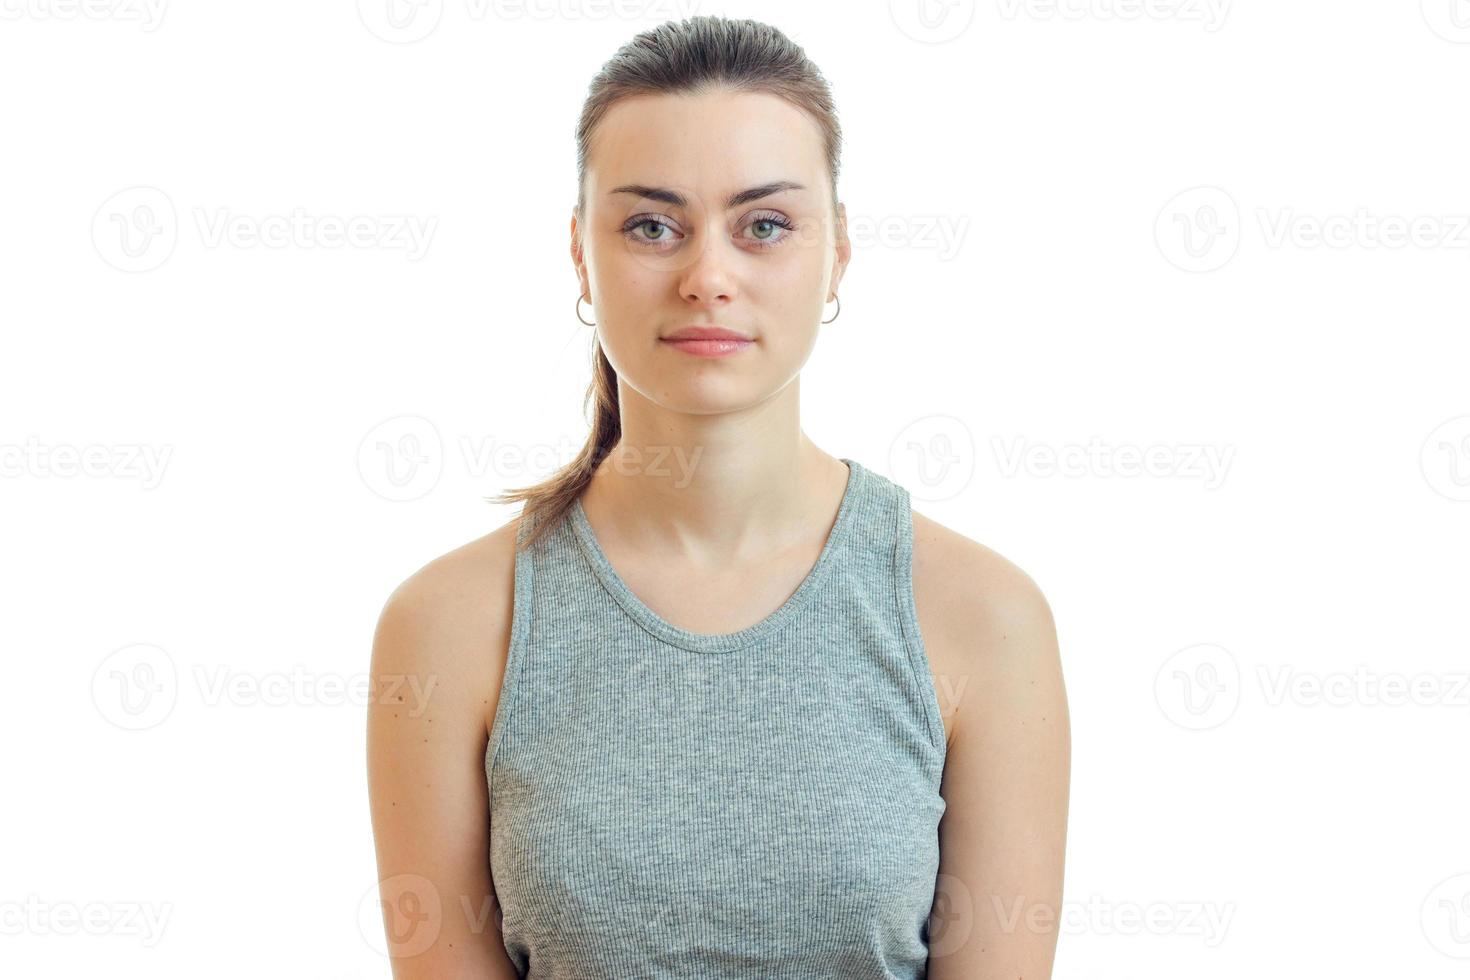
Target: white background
{"x": 1194, "y": 230}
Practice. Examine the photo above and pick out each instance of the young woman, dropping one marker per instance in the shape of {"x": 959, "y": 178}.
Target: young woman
{"x": 717, "y": 704}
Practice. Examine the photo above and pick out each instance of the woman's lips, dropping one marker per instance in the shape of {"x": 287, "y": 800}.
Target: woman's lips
{"x": 707, "y": 341}
{"x": 709, "y": 348}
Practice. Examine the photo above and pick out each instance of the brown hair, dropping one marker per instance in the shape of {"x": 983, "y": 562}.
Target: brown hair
{"x": 694, "y": 56}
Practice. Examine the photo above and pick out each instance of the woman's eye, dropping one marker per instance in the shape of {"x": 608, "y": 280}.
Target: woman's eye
{"x": 656, "y": 231}
{"x": 767, "y": 230}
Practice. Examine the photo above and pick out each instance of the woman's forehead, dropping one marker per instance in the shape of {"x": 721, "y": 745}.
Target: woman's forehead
{"x": 713, "y": 144}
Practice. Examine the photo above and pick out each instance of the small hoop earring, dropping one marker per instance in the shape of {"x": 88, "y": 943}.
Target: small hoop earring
{"x": 579, "y": 312}
{"x": 839, "y": 309}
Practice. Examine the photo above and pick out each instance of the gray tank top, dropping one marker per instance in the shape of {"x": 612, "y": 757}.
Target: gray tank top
{"x": 761, "y": 803}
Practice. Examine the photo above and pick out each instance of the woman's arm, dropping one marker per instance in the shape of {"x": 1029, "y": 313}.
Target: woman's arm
{"x": 997, "y": 905}
{"x": 438, "y": 655}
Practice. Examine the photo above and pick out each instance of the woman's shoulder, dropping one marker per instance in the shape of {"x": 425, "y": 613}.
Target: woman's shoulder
{"x": 952, "y": 565}
{"x": 450, "y": 618}
{"x": 982, "y": 617}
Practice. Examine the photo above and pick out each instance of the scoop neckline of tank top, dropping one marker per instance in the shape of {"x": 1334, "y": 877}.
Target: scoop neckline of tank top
{"x": 740, "y": 639}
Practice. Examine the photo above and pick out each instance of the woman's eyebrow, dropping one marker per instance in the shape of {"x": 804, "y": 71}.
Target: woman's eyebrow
{"x": 733, "y": 201}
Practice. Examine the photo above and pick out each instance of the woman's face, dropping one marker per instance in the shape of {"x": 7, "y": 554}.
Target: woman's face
{"x": 708, "y": 210}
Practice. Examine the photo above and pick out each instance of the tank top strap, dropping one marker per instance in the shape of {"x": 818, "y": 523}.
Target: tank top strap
{"x": 881, "y": 516}
{"x": 879, "y": 562}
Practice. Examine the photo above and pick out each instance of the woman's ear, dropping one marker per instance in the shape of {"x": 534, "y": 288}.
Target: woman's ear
{"x": 843, "y": 249}
{"x": 579, "y": 261}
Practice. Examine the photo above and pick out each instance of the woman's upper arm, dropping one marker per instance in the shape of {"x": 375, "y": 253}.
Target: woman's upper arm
{"x": 997, "y": 905}
{"x": 438, "y": 655}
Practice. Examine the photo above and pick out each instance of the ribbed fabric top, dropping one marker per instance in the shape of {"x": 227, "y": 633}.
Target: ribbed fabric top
{"x": 763, "y": 803}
